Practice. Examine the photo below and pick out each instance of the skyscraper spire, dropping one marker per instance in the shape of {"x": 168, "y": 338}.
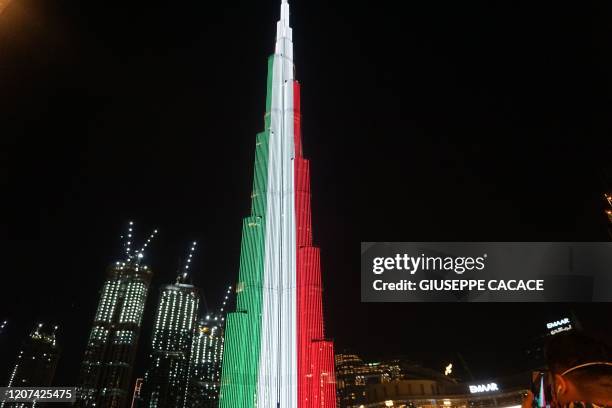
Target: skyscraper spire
{"x": 284, "y": 15}
{"x": 284, "y": 34}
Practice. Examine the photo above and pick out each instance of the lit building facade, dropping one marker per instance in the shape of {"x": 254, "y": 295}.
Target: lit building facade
{"x": 36, "y": 362}
{"x": 353, "y": 376}
{"x": 165, "y": 383}
{"x": 205, "y": 363}
{"x": 106, "y": 371}
{"x": 206, "y": 358}
{"x": 276, "y": 353}
{"x": 505, "y": 392}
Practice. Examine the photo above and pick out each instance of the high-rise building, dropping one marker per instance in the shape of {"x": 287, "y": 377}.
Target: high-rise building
{"x": 36, "y": 361}
{"x": 205, "y": 365}
{"x": 165, "y": 383}
{"x": 206, "y": 357}
{"x": 106, "y": 372}
{"x": 354, "y": 375}
{"x": 276, "y": 353}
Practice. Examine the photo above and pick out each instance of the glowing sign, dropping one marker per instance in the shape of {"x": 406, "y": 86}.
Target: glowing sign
{"x": 475, "y": 389}
{"x": 558, "y": 323}
{"x": 559, "y": 326}
{"x": 449, "y": 369}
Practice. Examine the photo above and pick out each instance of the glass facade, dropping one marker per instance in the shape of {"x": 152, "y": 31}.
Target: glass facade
{"x": 165, "y": 383}
{"x": 107, "y": 366}
{"x": 205, "y": 362}
{"x": 353, "y": 376}
{"x": 36, "y": 362}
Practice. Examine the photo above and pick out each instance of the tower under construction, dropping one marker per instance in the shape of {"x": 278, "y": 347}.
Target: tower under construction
{"x": 106, "y": 371}
{"x": 165, "y": 383}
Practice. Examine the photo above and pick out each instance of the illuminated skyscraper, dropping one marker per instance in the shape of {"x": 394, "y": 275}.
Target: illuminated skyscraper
{"x": 205, "y": 364}
{"x": 165, "y": 383}
{"x": 276, "y": 354}
{"x": 36, "y": 362}
{"x": 106, "y": 372}
{"x": 205, "y": 359}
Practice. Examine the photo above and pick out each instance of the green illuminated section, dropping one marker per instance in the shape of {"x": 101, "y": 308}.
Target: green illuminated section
{"x": 269, "y": 94}
{"x": 242, "y": 338}
{"x": 243, "y": 333}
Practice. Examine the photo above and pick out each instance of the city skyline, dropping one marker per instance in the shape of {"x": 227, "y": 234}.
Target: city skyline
{"x": 473, "y": 108}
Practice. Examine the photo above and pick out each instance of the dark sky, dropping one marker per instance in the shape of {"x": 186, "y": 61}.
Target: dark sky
{"x": 431, "y": 121}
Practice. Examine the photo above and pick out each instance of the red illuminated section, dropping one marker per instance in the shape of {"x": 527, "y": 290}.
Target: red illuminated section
{"x": 316, "y": 379}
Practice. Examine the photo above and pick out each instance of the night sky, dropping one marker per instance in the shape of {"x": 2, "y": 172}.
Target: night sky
{"x": 433, "y": 121}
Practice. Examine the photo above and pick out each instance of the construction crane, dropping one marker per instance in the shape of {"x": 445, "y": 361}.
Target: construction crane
{"x": 130, "y": 254}
{"x": 183, "y": 272}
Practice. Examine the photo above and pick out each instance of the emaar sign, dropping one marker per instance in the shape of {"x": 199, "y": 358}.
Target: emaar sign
{"x": 559, "y": 326}
{"x": 476, "y": 389}
{"x": 557, "y": 323}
